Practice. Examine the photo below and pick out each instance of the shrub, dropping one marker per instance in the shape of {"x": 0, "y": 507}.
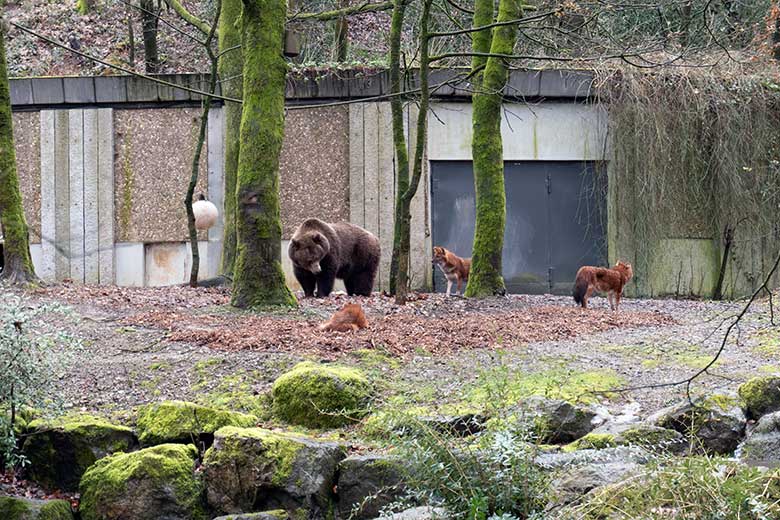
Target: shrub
{"x": 691, "y": 488}
{"x": 31, "y": 361}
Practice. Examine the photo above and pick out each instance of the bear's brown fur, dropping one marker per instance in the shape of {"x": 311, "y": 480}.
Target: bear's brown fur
{"x": 321, "y": 252}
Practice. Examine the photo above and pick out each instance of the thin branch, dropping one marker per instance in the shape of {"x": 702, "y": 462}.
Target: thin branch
{"x": 495, "y": 24}
{"x": 188, "y": 17}
{"x": 164, "y": 21}
{"x": 120, "y": 68}
{"x": 324, "y": 16}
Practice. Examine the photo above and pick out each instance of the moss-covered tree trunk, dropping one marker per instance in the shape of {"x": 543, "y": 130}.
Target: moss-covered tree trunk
{"x": 399, "y": 139}
{"x": 258, "y": 277}
{"x": 18, "y": 266}
{"x": 403, "y": 213}
{"x": 230, "y": 67}
{"x": 487, "y": 148}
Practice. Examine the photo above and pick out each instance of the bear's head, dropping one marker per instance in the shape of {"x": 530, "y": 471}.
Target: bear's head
{"x": 307, "y": 250}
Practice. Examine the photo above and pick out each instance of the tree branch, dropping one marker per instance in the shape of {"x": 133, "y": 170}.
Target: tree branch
{"x": 188, "y": 17}
{"x": 324, "y": 16}
{"x": 495, "y": 24}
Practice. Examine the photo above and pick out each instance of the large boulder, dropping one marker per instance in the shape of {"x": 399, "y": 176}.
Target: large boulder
{"x": 179, "y": 421}
{"x": 321, "y": 396}
{"x": 556, "y": 421}
{"x": 714, "y": 424}
{"x": 761, "y": 395}
{"x": 366, "y": 484}
{"x": 13, "y": 508}
{"x": 763, "y": 444}
{"x": 61, "y": 451}
{"x": 252, "y": 469}
{"x": 153, "y": 483}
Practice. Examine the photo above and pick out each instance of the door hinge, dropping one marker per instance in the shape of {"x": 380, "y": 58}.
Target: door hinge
{"x": 549, "y": 185}
{"x": 550, "y": 271}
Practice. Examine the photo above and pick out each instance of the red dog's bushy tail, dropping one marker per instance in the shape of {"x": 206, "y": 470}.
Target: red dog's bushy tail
{"x": 580, "y": 290}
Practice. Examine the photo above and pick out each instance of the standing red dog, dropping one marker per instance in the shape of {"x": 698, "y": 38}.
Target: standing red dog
{"x": 455, "y": 268}
{"x": 602, "y": 279}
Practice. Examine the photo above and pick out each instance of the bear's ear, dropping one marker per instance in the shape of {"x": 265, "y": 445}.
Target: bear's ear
{"x": 294, "y": 242}
{"x": 318, "y": 238}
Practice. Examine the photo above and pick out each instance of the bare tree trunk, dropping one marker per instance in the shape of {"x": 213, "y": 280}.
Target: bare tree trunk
{"x": 487, "y": 149}
{"x": 399, "y": 139}
{"x": 259, "y": 279}
{"x": 204, "y": 121}
{"x": 405, "y": 201}
{"x": 230, "y": 68}
{"x": 131, "y": 43}
{"x": 149, "y": 17}
{"x": 341, "y": 35}
{"x": 17, "y": 264}
{"x": 776, "y": 33}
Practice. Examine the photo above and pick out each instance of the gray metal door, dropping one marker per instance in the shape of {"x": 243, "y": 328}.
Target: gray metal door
{"x": 555, "y": 213}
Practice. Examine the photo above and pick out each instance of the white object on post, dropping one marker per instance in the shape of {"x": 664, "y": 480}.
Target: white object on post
{"x": 205, "y": 213}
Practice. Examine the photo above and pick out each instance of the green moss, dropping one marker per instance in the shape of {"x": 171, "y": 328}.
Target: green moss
{"x": 14, "y": 509}
{"x": 321, "y": 396}
{"x": 278, "y": 447}
{"x": 167, "y": 467}
{"x": 179, "y": 421}
{"x": 761, "y": 395}
{"x": 720, "y": 402}
{"x": 55, "y": 510}
{"x": 651, "y": 437}
{"x": 160, "y": 366}
{"x": 597, "y": 441}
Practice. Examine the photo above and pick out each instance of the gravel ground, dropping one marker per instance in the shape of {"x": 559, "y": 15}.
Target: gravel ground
{"x": 130, "y": 356}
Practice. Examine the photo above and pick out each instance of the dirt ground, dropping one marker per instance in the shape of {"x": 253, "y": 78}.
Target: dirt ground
{"x": 148, "y": 344}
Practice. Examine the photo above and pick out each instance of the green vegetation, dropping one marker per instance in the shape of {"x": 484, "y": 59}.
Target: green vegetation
{"x": 321, "y": 396}
{"x": 500, "y": 387}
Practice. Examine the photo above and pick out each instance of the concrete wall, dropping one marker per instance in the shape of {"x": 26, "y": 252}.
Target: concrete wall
{"x": 104, "y": 163}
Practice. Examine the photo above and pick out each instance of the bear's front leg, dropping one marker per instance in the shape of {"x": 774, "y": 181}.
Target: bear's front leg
{"x": 307, "y": 280}
{"x": 325, "y": 281}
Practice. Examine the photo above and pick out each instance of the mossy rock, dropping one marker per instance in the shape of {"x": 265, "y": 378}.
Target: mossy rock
{"x": 321, "y": 396}
{"x": 592, "y": 441}
{"x": 179, "y": 421}
{"x": 60, "y": 451}
{"x": 367, "y": 484}
{"x": 714, "y": 424}
{"x": 12, "y": 508}
{"x": 153, "y": 483}
{"x": 252, "y": 469}
{"x": 637, "y": 434}
{"x": 555, "y": 421}
{"x": 761, "y": 395}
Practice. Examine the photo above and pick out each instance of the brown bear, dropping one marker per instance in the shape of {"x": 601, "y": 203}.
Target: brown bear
{"x": 321, "y": 252}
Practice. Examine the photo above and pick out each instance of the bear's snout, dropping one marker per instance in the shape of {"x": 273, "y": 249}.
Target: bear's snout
{"x": 315, "y": 268}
